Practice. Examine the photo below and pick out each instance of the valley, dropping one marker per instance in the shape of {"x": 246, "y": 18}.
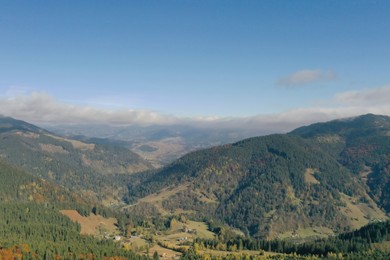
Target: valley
{"x": 262, "y": 197}
{"x": 160, "y": 145}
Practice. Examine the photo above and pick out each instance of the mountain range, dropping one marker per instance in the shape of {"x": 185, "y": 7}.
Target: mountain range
{"x": 317, "y": 180}
{"x": 325, "y": 178}
{"x": 362, "y": 145}
{"x": 95, "y": 170}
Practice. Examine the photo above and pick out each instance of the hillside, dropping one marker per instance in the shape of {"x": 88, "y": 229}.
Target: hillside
{"x": 265, "y": 186}
{"x": 361, "y": 144}
{"x": 32, "y": 227}
{"x": 19, "y": 186}
{"x": 95, "y": 170}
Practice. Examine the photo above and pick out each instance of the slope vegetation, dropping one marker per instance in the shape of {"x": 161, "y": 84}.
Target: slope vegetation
{"x": 95, "y": 170}
{"x": 362, "y": 145}
{"x": 32, "y": 227}
{"x": 263, "y": 186}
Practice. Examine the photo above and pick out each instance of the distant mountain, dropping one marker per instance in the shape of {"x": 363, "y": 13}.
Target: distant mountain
{"x": 91, "y": 169}
{"x": 10, "y": 124}
{"x": 362, "y": 144}
{"x": 279, "y": 184}
{"x": 158, "y": 144}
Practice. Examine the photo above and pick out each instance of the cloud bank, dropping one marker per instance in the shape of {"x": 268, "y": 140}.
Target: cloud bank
{"x": 304, "y": 77}
{"x": 41, "y": 108}
{"x": 367, "y": 97}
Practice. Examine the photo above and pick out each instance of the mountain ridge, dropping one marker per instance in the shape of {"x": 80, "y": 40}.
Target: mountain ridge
{"x": 327, "y": 176}
{"x": 362, "y": 144}
{"x": 92, "y": 169}
{"x": 264, "y": 185}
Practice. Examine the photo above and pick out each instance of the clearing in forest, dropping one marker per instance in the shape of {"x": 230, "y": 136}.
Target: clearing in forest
{"x": 93, "y": 224}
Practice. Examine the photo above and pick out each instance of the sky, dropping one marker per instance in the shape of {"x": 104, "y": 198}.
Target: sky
{"x": 219, "y": 62}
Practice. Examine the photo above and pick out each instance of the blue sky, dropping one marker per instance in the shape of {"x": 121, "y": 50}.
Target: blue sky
{"x": 194, "y": 59}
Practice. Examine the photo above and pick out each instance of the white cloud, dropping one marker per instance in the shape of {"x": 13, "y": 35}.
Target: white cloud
{"x": 373, "y": 96}
{"x": 41, "y": 108}
{"x": 307, "y": 76}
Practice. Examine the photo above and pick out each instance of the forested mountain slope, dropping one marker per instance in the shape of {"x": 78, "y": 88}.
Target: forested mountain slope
{"x": 264, "y": 186}
{"x": 19, "y": 186}
{"x": 92, "y": 169}
{"x": 361, "y": 144}
{"x": 32, "y": 227}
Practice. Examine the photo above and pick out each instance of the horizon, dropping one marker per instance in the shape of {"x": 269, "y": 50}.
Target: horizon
{"x": 256, "y": 65}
